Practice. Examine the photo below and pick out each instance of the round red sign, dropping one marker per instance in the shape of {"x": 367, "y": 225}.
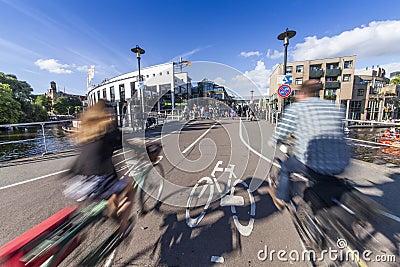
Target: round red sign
{"x": 284, "y": 90}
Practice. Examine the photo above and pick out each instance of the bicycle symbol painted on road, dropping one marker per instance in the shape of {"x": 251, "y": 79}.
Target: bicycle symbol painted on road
{"x": 228, "y": 198}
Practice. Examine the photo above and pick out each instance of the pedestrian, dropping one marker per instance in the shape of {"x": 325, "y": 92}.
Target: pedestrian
{"x": 316, "y": 126}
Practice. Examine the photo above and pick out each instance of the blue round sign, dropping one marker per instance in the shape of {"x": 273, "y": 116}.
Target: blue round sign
{"x": 284, "y": 90}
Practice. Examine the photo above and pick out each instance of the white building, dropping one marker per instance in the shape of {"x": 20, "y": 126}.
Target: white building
{"x": 164, "y": 88}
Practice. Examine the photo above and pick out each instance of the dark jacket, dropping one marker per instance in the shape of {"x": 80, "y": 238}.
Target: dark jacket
{"x": 96, "y": 156}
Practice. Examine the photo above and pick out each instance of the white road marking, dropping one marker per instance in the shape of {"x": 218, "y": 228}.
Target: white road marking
{"x": 249, "y": 147}
{"x": 33, "y": 179}
{"x": 198, "y": 139}
{"x": 163, "y": 136}
{"x": 59, "y": 172}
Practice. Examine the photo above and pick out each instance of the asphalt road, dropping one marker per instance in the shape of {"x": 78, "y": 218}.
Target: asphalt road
{"x": 229, "y": 151}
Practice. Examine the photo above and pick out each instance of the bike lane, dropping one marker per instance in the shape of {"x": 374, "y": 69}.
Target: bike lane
{"x": 238, "y": 235}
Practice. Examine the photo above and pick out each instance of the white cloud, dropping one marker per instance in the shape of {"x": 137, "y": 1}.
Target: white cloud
{"x": 250, "y": 54}
{"x": 256, "y": 79}
{"x": 83, "y": 68}
{"x": 219, "y": 81}
{"x": 52, "y": 65}
{"x": 274, "y": 55}
{"x": 378, "y": 38}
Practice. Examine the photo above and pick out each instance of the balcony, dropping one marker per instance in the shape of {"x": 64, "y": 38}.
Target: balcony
{"x": 332, "y": 85}
{"x": 333, "y": 72}
{"x": 316, "y": 73}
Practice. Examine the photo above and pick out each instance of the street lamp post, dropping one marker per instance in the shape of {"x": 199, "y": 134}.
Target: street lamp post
{"x": 252, "y": 92}
{"x": 139, "y": 51}
{"x": 285, "y": 36}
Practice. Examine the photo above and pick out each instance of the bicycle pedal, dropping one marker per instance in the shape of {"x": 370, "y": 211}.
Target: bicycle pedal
{"x": 229, "y": 200}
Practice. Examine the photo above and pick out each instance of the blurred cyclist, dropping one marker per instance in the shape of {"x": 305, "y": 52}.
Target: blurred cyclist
{"x": 319, "y": 145}
{"x": 94, "y": 175}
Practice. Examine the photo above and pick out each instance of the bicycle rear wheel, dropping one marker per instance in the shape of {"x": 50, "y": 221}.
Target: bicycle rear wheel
{"x": 151, "y": 188}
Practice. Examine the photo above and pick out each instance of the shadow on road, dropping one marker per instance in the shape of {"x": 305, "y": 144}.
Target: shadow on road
{"x": 216, "y": 235}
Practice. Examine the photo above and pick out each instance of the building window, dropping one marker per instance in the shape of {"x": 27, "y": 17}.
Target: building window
{"x": 299, "y": 81}
{"x": 154, "y": 75}
{"x": 332, "y": 66}
{"x": 331, "y": 79}
{"x": 300, "y": 68}
{"x": 315, "y": 67}
{"x": 289, "y": 69}
{"x": 378, "y": 84}
{"x": 160, "y": 73}
{"x": 330, "y": 92}
{"x": 167, "y": 72}
{"x": 112, "y": 94}
{"x": 147, "y": 76}
{"x": 122, "y": 92}
{"x": 346, "y": 77}
{"x": 348, "y": 64}
{"x": 104, "y": 93}
{"x": 133, "y": 90}
{"x": 360, "y": 92}
{"x": 355, "y": 105}
{"x": 98, "y": 95}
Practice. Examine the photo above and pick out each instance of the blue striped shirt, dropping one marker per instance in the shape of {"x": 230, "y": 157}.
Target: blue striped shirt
{"x": 309, "y": 120}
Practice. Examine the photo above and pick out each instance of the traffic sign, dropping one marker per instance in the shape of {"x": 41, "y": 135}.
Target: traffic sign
{"x": 284, "y": 79}
{"x": 284, "y": 91}
{"x": 141, "y": 85}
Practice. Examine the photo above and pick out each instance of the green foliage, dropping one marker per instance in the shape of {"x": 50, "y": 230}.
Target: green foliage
{"x": 395, "y": 80}
{"x": 66, "y": 105}
{"x": 21, "y": 90}
{"x": 10, "y": 109}
{"x": 33, "y": 112}
{"x": 22, "y": 93}
{"x": 44, "y": 101}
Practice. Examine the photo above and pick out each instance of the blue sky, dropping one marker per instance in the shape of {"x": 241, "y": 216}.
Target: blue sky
{"x": 58, "y": 40}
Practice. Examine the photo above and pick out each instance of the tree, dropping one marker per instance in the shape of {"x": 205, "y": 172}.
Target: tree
{"x": 10, "y": 109}
{"x": 44, "y": 101}
{"x": 21, "y": 90}
{"x": 66, "y": 105}
{"x": 395, "y": 80}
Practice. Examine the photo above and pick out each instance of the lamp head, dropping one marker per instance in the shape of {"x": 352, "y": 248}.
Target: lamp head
{"x": 138, "y": 50}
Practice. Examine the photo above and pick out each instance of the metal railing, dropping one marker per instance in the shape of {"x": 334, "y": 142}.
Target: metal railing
{"x": 42, "y": 124}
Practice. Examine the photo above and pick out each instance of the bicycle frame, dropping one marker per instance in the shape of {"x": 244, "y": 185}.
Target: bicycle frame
{"x": 51, "y": 247}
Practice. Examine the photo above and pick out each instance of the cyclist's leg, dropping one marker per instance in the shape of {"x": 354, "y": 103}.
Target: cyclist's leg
{"x": 125, "y": 207}
{"x": 291, "y": 165}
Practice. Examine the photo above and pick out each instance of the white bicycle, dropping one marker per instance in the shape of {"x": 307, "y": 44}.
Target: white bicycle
{"x": 227, "y": 198}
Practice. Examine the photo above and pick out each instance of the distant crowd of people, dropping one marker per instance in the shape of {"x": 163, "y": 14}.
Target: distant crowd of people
{"x": 216, "y": 111}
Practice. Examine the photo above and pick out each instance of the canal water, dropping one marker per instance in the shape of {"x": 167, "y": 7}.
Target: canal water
{"x": 32, "y": 143}
{"x": 57, "y": 139}
{"x": 380, "y": 155}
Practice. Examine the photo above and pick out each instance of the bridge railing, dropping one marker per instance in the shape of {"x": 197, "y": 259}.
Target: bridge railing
{"x": 41, "y": 124}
